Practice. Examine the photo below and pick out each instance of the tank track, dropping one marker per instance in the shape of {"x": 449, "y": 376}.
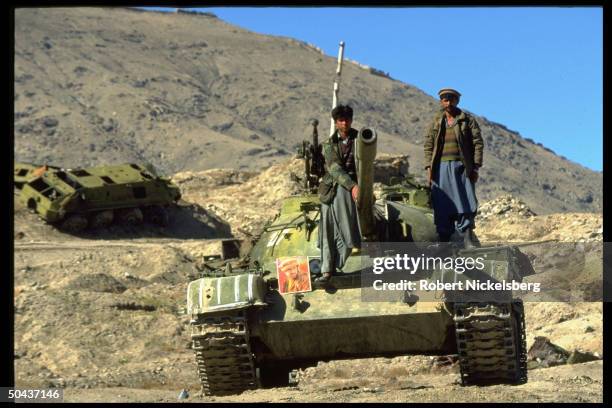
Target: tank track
{"x": 491, "y": 342}
{"x": 223, "y": 355}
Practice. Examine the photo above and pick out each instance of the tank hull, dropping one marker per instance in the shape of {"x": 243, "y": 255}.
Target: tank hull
{"x": 326, "y": 326}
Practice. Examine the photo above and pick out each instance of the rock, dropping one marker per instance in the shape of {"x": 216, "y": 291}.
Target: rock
{"x": 507, "y": 205}
{"x": 80, "y": 70}
{"x": 140, "y": 83}
{"x": 577, "y": 357}
{"x": 184, "y": 394}
{"x": 387, "y": 167}
{"x": 109, "y": 125}
{"x": 50, "y": 122}
{"x": 23, "y": 78}
{"x": 587, "y": 198}
{"x": 546, "y": 353}
{"x": 445, "y": 361}
{"x": 25, "y": 128}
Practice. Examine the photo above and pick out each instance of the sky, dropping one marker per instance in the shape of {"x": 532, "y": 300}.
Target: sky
{"x": 536, "y": 70}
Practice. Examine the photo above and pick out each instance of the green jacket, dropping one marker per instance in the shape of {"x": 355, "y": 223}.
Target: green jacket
{"x": 469, "y": 139}
{"x": 335, "y": 174}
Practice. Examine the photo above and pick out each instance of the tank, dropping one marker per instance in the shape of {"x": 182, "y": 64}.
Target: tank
{"x": 75, "y": 199}
{"x": 248, "y": 331}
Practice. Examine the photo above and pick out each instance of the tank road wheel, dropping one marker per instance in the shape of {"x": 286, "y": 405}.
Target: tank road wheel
{"x": 130, "y": 216}
{"x": 102, "y": 219}
{"x": 74, "y": 223}
{"x": 156, "y": 215}
{"x": 491, "y": 342}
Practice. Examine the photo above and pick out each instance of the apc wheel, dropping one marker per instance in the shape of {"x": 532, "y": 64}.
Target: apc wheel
{"x": 131, "y": 216}
{"x": 156, "y": 215}
{"x": 102, "y": 219}
{"x": 74, "y": 223}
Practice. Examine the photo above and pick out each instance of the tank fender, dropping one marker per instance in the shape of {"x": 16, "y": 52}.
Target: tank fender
{"x": 208, "y": 295}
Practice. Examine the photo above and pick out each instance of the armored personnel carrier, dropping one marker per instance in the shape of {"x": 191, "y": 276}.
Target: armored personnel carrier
{"x": 249, "y": 331}
{"x": 74, "y": 199}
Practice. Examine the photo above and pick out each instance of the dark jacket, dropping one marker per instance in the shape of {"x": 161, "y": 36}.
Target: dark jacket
{"x": 469, "y": 140}
{"x": 335, "y": 173}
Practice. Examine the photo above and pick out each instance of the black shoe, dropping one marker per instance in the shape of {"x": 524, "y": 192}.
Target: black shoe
{"x": 325, "y": 278}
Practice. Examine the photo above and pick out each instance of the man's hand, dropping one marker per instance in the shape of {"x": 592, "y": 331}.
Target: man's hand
{"x": 355, "y": 192}
{"x": 474, "y": 176}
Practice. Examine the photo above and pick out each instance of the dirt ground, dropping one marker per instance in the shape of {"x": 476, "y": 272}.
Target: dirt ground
{"x": 101, "y": 314}
{"x": 575, "y": 383}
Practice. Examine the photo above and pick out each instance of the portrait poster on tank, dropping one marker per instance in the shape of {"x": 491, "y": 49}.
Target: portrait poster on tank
{"x": 293, "y": 274}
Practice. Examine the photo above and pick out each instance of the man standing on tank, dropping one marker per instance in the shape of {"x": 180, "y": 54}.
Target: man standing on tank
{"x": 338, "y": 225}
{"x": 453, "y": 156}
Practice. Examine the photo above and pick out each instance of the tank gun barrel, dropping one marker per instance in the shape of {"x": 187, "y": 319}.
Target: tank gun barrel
{"x": 365, "y": 153}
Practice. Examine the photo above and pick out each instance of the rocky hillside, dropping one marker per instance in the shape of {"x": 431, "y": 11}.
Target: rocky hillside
{"x": 190, "y": 92}
{"x": 507, "y": 218}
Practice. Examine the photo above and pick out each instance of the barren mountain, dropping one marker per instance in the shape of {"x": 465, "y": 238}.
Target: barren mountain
{"x": 189, "y": 92}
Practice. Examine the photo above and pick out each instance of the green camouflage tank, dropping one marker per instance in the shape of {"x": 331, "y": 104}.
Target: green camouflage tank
{"x": 74, "y": 199}
{"x": 250, "y": 329}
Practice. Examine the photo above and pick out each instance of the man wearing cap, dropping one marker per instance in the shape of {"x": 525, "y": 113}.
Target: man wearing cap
{"x": 453, "y": 155}
{"x": 338, "y": 225}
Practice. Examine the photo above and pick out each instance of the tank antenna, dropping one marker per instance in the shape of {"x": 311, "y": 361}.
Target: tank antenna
{"x": 332, "y": 128}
